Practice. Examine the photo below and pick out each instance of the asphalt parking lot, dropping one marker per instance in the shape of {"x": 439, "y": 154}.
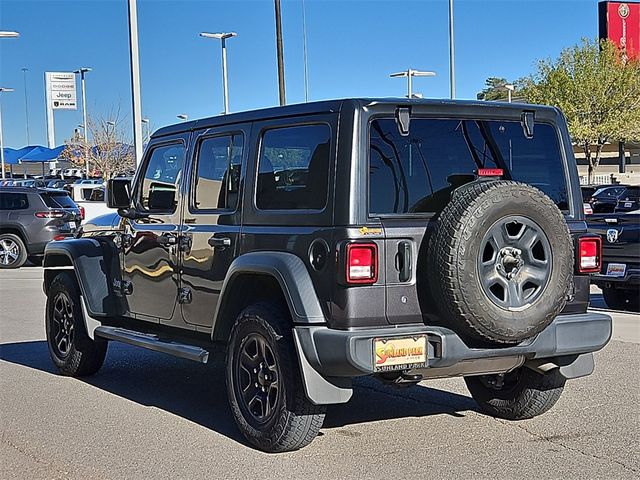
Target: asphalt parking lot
{"x": 147, "y": 415}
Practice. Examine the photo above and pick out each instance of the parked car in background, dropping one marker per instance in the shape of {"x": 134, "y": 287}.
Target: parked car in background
{"x": 57, "y": 183}
{"x": 605, "y": 199}
{"x": 619, "y": 277}
{"x": 629, "y": 200}
{"x": 30, "y": 218}
{"x": 588, "y": 191}
{"x": 30, "y": 182}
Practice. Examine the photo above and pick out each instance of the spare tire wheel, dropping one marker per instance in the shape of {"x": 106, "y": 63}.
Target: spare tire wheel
{"x": 501, "y": 261}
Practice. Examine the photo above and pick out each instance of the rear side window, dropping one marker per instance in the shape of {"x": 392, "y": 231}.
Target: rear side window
{"x": 58, "y": 200}
{"x": 293, "y": 170}
{"x": 218, "y": 173}
{"x": 14, "y": 201}
{"x": 418, "y": 172}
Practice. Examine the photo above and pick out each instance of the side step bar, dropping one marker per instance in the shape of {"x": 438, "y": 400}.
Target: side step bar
{"x": 152, "y": 342}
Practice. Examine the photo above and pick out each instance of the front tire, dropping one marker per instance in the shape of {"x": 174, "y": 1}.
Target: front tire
{"x": 517, "y": 395}
{"x": 264, "y": 384}
{"x": 70, "y": 348}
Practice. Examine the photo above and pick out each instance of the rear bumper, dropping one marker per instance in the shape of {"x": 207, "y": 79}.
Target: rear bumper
{"x": 339, "y": 353}
{"x": 631, "y": 279}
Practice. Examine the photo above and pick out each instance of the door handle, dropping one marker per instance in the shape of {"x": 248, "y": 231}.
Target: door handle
{"x": 404, "y": 263}
{"x": 220, "y": 242}
{"x": 167, "y": 240}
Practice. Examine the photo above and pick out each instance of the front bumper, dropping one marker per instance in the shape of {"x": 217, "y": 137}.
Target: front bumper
{"x": 349, "y": 353}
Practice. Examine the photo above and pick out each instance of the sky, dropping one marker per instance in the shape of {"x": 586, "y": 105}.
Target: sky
{"x": 352, "y": 47}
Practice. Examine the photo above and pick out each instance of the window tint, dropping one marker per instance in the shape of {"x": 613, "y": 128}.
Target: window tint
{"x": 162, "y": 179}
{"x": 13, "y": 201}
{"x": 293, "y": 168}
{"x": 58, "y": 200}
{"x": 218, "y": 173}
{"x": 416, "y": 173}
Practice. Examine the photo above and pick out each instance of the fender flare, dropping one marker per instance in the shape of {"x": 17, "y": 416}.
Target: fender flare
{"x": 291, "y": 274}
{"x": 95, "y": 264}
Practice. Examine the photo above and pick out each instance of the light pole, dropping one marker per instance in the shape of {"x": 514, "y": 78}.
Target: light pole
{"x": 26, "y": 102}
{"x": 135, "y": 80}
{"x": 6, "y": 34}
{"x": 452, "y": 54}
{"x": 222, "y": 37}
{"x": 183, "y": 116}
{"x": 82, "y": 71}
{"x": 2, "y": 90}
{"x": 510, "y": 88}
{"x": 146, "y": 122}
{"x": 409, "y": 73}
{"x": 280, "y": 54}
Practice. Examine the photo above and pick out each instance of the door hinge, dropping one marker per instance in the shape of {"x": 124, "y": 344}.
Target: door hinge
{"x": 184, "y": 243}
{"x": 184, "y": 295}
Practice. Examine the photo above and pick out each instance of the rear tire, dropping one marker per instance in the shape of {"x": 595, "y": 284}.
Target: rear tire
{"x": 524, "y": 393}
{"x": 264, "y": 384}
{"x": 622, "y": 298}
{"x": 70, "y": 348}
{"x": 13, "y": 252}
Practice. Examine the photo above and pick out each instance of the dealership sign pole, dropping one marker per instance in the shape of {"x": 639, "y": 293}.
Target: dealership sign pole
{"x": 61, "y": 95}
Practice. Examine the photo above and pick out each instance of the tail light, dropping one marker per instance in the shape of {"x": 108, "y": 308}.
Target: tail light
{"x": 50, "y": 214}
{"x": 589, "y": 254}
{"x": 587, "y": 209}
{"x": 362, "y": 263}
{"x": 57, "y": 238}
{"x": 82, "y": 212}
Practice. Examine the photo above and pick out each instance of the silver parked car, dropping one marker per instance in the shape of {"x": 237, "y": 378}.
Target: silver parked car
{"x": 30, "y": 218}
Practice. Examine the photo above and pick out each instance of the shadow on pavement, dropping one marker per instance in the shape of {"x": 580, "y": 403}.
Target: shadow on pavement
{"x": 197, "y": 392}
{"x": 596, "y": 300}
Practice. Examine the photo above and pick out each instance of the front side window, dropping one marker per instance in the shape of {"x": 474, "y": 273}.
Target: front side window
{"x": 217, "y": 178}
{"x": 293, "y": 170}
{"x": 13, "y": 201}
{"x": 418, "y": 172}
{"x": 162, "y": 179}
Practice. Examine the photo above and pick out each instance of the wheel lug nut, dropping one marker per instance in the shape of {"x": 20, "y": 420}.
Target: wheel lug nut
{"x": 255, "y": 370}
{"x": 257, "y": 385}
{"x": 264, "y": 389}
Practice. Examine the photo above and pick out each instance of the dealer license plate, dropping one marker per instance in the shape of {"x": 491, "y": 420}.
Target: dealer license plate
{"x": 399, "y": 353}
{"x": 616, "y": 269}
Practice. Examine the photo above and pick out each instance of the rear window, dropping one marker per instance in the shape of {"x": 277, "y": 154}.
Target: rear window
{"x": 58, "y": 200}
{"x": 416, "y": 173}
{"x": 13, "y": 201}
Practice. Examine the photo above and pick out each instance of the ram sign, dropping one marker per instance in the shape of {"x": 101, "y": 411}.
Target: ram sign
{"x": 620, "y": 23}
{"x": 61, "y": 90}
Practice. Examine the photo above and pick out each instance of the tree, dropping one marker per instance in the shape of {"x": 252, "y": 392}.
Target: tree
{"x": 494, "y": 89}
{"x": 598, "y": 90}
{"x": 107, "y": 150}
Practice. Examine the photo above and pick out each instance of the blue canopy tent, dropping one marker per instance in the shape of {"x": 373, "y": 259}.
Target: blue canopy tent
{"x": 42, "y": 155}
{"x": 31, "y": 154}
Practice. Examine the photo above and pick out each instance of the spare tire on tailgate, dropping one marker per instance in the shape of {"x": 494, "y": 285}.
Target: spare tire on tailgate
{"x": 501, "y": 261}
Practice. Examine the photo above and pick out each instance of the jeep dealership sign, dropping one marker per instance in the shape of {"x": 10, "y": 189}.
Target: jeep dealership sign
{"x": 61, "y": 90}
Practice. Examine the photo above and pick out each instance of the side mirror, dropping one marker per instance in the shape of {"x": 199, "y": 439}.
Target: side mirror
{"x": 119, "y": 193}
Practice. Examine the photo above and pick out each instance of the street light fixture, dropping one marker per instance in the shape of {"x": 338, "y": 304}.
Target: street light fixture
{"x": 82, "y": 71}
{"x": 6, "y": 34}
{"x": 183, "y": 116}
{"x": 222, "y": 37}
{"x": 409, "y": 73}
{"x": 2, "y": 90}
{"x": 510, "y": 88}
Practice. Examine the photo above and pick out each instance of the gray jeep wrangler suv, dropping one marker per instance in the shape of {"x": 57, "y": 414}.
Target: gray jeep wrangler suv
{"x": 402, "y": 239}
